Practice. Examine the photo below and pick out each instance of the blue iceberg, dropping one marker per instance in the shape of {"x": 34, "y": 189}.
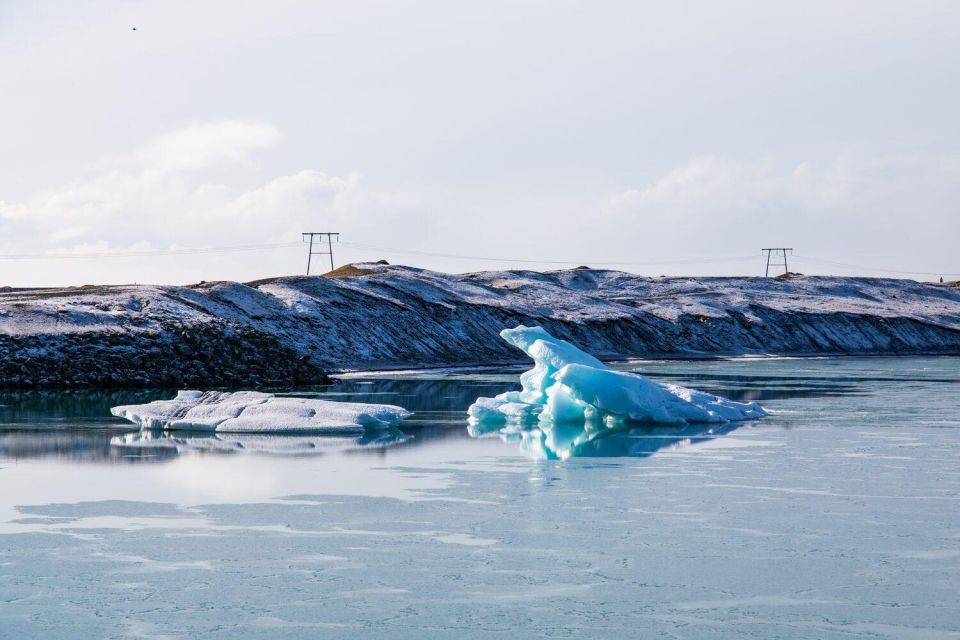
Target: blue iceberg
{"x": 567, "y": 385}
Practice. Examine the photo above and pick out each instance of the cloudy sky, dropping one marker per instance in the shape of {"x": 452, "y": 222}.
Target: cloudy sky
{"x": 663, "y": 138}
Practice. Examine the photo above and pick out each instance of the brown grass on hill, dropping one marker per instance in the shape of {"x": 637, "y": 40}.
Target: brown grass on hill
{"x": 349, "y": 271}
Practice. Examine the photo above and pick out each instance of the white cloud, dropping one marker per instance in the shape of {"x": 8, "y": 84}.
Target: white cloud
{"x": 162, "y": 197}
{"x": 159, "y": 196}
{"x": 308, "y": 190}
{"x": 202, "y": 186}
{"x": 848, "y": 203}
{"x": 710, "y": 185}
{"x": 719, "y": 130}
{"x": 204, "y": 145}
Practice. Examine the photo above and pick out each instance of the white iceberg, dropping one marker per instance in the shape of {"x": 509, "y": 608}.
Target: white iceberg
{"x": 568, "y": 385}
{"x": 255, "y": 412}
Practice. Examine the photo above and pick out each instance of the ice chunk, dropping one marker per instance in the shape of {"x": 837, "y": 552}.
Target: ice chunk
{"x": 549, "y": 355}
{"x": 634, "y": 397}
{"x": 255, "y": 412}
{"x": 502, "y": 408}
{"x": 567, "y": 385}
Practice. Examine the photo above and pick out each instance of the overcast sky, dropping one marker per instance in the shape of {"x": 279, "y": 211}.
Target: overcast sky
{"x": 594, "y": 132}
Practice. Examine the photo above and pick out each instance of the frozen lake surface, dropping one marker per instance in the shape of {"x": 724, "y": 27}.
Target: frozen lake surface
{"x": 836, "y": 517}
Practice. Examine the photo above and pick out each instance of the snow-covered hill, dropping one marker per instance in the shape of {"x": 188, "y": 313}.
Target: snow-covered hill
{"x": 291, "y": 330}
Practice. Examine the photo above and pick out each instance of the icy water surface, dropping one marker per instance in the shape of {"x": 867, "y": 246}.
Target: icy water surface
{"x": 836, "y": 517}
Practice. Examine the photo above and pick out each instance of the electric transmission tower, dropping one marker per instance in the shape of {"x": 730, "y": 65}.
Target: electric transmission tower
{"x": 778, "y": 251}
{"x": 329, "y": 251}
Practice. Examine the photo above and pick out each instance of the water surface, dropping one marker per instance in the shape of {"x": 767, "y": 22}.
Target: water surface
{"x": 836, "y": 517}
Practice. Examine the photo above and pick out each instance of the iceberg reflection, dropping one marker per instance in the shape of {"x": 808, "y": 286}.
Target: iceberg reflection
{"x": 206, "y": 441}
{"x": 560, "y": 441}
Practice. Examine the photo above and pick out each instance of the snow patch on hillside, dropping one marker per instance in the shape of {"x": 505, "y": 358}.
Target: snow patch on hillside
{"x": 388, "y": 316}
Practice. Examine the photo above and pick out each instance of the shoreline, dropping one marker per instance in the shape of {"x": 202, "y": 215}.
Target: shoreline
{"x": 523, "y": 365}
{"x": 300, "y": 330}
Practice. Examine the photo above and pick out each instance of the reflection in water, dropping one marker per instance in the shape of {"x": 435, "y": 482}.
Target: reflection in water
{"x": 77, "y": 425}
{"x": 843, "y": 528}
{"x": 184, "y": 441}
{"x": 448, "y": 392}
{"x": 71, "y": 408}
{"x": 760, "y": 388}
{"x": 557, "y": 441}
{"x": 80, "y": 445}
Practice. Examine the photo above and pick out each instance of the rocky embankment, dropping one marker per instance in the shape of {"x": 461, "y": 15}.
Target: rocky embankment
{"x": 296, "y": 330}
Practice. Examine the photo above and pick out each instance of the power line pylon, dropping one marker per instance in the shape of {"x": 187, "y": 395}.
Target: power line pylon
{"x": 329, "y": 251}
{"x": 777, "y": 251}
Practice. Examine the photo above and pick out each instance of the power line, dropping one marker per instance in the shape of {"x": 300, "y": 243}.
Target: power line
{"x": 370, "y": 247}
{"x": 354, "y": 245}
{"x": 383, "y": 249}
{"x": 845, "y": 265}
{"x": 145, "y": 254}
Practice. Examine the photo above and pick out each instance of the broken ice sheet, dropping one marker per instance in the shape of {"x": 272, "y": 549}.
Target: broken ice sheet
{"x": 255, "y": 412}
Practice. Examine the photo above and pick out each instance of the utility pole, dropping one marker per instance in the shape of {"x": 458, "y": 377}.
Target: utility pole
{"x": 778, "y": 251}
{"x": 329, "y": 251}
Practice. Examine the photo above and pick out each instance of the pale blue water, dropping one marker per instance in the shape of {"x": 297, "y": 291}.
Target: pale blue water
{"x": 837, "y": 517}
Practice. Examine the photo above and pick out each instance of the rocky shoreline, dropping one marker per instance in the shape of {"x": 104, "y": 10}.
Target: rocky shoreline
{"x": 298, "y": 330}
{"x": 215, "y": 355}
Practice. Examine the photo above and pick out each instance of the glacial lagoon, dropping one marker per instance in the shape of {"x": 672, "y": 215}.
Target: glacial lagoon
{"x": 837, "y": 516}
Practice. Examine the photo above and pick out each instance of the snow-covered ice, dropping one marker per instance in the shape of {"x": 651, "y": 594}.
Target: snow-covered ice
{"x": 255, "y": 412}
{"x": 568, "y": 385}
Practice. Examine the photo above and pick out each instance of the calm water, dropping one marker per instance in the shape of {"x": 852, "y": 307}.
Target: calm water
{"x": 837, "y": 517}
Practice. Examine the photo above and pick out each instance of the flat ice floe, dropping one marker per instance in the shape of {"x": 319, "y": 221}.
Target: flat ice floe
{"x": 255, "y": 412}
{"x": 568, "y": 385}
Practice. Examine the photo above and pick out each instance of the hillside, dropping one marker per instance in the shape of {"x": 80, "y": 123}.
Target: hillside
{"x": 294, "y": 330}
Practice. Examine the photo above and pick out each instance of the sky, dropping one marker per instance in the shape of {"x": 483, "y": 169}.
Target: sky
{"x": 660, "y": 138}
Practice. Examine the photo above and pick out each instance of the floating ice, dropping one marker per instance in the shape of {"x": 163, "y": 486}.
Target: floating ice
{"x": 569, "y": 386}
{"x": 255, "y": 412}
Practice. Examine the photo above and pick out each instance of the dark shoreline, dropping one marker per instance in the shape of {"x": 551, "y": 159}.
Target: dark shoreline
{"x": 299, "y": 331}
